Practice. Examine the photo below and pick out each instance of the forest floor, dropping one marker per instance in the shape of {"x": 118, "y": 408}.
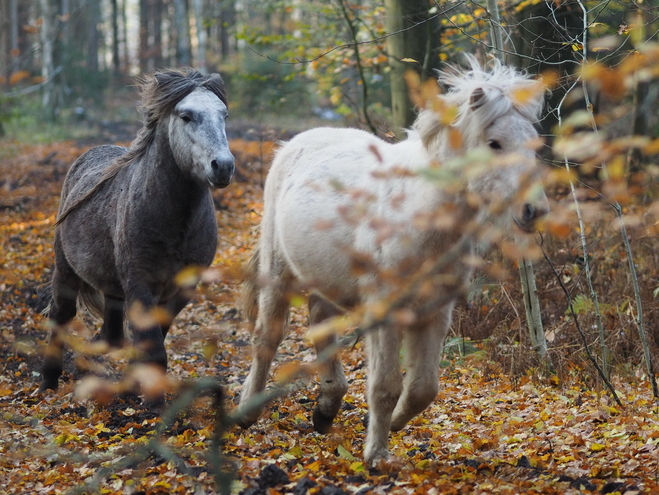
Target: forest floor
{"x": 488, "y": 431}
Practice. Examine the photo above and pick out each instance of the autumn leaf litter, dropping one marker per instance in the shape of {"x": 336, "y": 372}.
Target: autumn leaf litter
{"x": 487, "y": 432}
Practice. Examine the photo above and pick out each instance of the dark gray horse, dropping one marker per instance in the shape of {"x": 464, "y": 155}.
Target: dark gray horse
{"x": 131, "y": 219}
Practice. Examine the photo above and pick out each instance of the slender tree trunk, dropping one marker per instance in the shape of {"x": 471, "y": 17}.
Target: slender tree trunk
{"x": 412, "y": 36}
{"x": 116, "y": 61}
{"x": 144, "y": 36}
{"x": 13, "y": 26}
{"x": 201, "y": 36}
{"x": 227, "y": 18}
{"x": 182, "y": 24}
{"x": 93, "y": 38}
{"x": 157, "y": 8}
{"x": 47, "y": 67}
{"x": 124, "y": 37}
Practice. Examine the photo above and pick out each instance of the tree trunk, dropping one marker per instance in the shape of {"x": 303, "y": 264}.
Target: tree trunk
{"x": 227, "y": 18}
{"x": 144, "y": 36}
{"x": 413, "y": 36}
{"x": 157, "y": 8}
{"x": 124, "y": 37}
{"x": 14, "y": 51}
{"x": 182, "y": 27}
{"x": 201, "y": 36}
{"x": 116, "y": 61}
{"x": 47, "y": 67}
{"x": 93, "y": 40}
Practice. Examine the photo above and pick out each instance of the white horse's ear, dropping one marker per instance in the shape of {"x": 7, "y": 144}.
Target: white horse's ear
{"x": 477, "y": 99}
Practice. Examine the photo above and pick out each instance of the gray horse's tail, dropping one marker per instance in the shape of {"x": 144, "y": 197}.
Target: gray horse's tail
{"x": 250, "y": 289}
{"x": 92, "y": 300}
{"x": 88, "y": 298}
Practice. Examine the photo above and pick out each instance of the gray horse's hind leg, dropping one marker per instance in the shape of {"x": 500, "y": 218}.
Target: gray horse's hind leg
{"x": 333, "y": 383}
{"x": 112, "y": 330}
{"x": 62, "y": 310}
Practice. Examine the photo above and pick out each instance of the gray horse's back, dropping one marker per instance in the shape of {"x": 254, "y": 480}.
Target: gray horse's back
{"x": 87, "y": 170}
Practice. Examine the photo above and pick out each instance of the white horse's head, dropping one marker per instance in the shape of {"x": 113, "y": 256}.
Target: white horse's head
{"x": 198, "y": 139}
{"x": 496, "y": 111}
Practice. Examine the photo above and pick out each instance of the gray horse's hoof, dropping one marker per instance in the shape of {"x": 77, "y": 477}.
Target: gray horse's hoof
{"x": 48, "y": 385}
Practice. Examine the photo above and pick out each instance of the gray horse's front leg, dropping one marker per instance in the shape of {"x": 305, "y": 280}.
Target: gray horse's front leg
{"x": 148, "y": 338}
{"x": 384, "y": 388}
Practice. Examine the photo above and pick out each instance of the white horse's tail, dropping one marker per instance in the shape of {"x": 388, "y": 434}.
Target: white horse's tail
{"x": 250, "y": 289}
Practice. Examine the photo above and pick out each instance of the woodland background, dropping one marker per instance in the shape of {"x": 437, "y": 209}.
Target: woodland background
{"x": 568, "y": 407}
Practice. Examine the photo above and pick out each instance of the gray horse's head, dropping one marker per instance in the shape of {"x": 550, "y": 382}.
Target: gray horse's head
{"x": 198, "y": 139}
{"x": 191, "y": 108}
{"x": 496, "y": 111}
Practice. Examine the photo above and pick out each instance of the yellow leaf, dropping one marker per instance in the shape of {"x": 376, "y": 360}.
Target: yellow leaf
{"x": 343, "y": 452}
{"x": 596, "y": 447}
{"x": 616, "y": 168}
{"x": 188, "y": 277}
{"x": 409, "y": 60}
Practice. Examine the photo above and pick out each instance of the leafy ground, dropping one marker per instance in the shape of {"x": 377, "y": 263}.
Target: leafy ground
{"x": 492, "y": 429}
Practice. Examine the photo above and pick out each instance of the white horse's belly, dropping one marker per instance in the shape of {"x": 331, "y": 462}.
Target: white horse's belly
{"x": 317, "y": 244}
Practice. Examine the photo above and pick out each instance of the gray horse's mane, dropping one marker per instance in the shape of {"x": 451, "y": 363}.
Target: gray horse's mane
{"x": 160, "y": 93}
{"x": 499, "y": 88}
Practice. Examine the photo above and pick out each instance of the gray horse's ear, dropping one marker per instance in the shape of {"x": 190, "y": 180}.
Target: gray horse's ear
{"x": 161, "y": 77}
{"x": 477, "y": 98}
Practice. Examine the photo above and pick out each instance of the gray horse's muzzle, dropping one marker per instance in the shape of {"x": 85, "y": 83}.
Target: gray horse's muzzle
{"x": 222, "y": 169}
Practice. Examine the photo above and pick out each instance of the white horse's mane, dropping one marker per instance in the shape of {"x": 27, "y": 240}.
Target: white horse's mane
{"x": 503, "y": 88}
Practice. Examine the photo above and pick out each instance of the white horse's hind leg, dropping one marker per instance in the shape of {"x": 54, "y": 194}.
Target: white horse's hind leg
{"x": 333, "y": 383}
{"x": 268, "y": 333}
{"x": 384, "y": 388}
{"x": 423, "y": 350}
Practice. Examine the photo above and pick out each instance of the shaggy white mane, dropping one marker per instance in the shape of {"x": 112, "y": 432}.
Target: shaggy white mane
{"x": 502, "y": 88}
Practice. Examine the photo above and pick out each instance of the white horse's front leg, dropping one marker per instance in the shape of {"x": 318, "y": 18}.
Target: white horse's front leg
{"x": 333, "y": 383}
{"x": 268, "y": 334}
{"x": 423, "y": 350}
{"x": 384, "y": 388}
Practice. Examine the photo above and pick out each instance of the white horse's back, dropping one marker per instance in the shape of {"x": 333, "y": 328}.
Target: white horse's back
{"x": 330, "y": 186}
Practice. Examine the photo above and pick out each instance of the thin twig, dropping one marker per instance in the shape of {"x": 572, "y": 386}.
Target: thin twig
{"x": 573, "y": 314}
{"x": 360, "y": 69}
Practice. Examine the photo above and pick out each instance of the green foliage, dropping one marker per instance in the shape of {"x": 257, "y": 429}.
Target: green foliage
{"x": 319, "y": 62}
{"x": 459, "y": 346}
{"x": 85, "y": 84}
{"x": 583, "y": 304}
{"x": 22, "y": 120}
{"x": 262, "y": 84}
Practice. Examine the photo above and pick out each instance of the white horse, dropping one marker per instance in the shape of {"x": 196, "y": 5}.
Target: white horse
{"x": 349, "y": 217}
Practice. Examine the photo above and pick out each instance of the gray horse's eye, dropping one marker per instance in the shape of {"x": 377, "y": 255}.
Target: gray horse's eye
{"x": 186, "y": 117}
{"x": 494, "y": 144}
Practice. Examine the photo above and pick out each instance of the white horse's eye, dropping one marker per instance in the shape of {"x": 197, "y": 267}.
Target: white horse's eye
{"x": 494, "y": 144}
{"x": 185, "y": 117}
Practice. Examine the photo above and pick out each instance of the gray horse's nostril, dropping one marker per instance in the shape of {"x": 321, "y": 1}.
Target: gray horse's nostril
{"x": 215, "y": 166}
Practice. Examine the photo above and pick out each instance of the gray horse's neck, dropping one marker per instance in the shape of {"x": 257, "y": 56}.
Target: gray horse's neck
{"x": 173, "y": 196}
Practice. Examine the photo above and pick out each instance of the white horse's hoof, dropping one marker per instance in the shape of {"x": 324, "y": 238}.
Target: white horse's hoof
{"x": 374, "y": 457}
